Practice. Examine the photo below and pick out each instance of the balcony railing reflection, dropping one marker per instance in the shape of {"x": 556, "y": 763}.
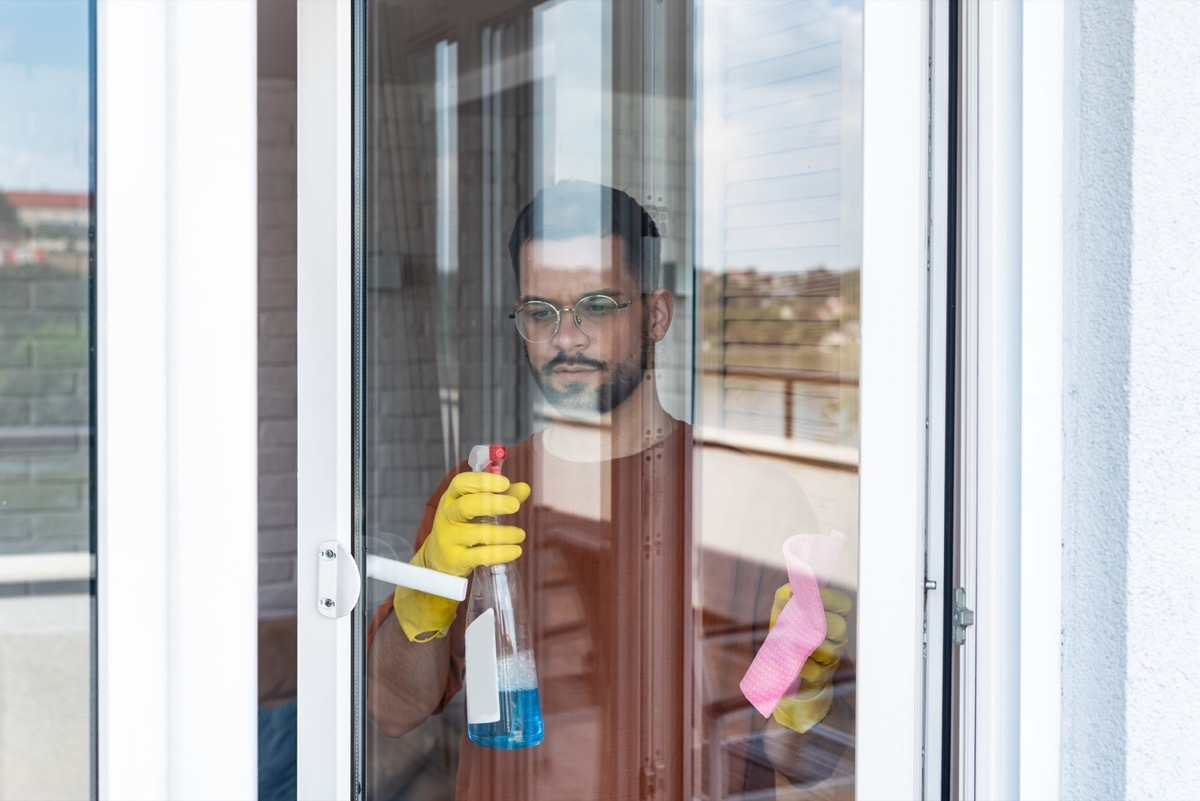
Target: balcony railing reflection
{"x": 789, "y": 379}
{"x": 37, "y": 568}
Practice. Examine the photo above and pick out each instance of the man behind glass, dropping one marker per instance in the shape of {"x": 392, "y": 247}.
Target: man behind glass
{"x": 600, "y": 503}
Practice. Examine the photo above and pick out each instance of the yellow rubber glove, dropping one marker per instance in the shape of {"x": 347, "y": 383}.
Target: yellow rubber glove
{"x": 811, "y": 703}
{"x": 457, "y": 544}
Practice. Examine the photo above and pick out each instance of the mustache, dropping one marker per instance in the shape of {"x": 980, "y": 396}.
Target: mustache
{"x": 574, "y": 360}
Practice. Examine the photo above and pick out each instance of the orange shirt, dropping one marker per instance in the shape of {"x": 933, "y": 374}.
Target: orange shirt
{"x": 638, "y": 684}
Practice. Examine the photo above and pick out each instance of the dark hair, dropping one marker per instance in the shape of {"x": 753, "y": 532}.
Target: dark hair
{"x": 571, "y": 209}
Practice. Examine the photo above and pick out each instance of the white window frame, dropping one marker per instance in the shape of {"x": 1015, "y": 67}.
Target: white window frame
{"x": 1011, "y": 398}
{"x": 324, "y": 316}
{"x": 176, "y": 417}
{"x": 888, "y": 749}
{"x": 160, "y": 196}
{"x": 989, "y": 396}
{"x": 1043, "y": 54}
{"x": 894, "y": 360}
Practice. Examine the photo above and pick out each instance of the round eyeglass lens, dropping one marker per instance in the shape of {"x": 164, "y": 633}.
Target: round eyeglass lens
{"x": 597, "y": 308}
{"x": 538, "y": 320}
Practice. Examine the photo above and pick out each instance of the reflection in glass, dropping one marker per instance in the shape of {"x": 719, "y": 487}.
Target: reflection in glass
{"x": 670, "y": 450}
{"x": 46, "y": 477}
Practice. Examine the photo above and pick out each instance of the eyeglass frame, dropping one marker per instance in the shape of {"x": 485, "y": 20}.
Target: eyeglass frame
{"x": 558, "y": 314}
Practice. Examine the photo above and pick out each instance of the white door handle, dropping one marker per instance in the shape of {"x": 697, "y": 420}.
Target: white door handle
{"x": 402, "y": 574}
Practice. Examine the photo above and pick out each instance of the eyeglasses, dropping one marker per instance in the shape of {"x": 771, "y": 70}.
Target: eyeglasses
{"x": 538, "y": 320}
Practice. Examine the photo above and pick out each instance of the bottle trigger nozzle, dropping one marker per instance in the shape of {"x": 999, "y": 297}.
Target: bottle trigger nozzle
{"x": 487, "y": 458}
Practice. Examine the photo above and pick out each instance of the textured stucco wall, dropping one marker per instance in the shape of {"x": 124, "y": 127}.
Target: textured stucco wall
{"x": 1162, "y": 649}
{"x": 1131, "y": 379}
{"x": 1098, "y": 225}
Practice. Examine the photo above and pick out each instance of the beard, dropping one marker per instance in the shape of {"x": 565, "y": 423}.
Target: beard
{"x": 576, "y": 400}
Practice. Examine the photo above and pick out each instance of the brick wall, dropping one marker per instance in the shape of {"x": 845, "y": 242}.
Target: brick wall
{"x": 277, "y": 347}
{"x": 44, "y": 408}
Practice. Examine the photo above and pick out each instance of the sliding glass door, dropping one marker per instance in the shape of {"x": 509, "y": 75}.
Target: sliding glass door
{"x": 631, "y": 242}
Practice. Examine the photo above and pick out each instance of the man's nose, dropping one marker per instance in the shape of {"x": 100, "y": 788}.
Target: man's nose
{"x": 570, "y": 335}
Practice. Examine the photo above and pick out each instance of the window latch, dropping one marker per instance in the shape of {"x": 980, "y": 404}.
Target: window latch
{"x": 963, "y": 616}
{"x": 338, "y": 582}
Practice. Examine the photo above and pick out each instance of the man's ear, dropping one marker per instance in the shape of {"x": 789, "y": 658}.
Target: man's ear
{"x": 660, "y": 307}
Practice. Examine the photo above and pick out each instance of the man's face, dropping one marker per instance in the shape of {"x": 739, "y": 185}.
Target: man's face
{"x": 595, "y": 370}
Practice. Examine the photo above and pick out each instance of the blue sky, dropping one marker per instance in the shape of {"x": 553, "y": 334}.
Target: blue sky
{"x": 44, "y": 130}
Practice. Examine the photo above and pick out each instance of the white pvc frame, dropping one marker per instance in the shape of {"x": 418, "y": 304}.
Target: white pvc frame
{"x": 176, "y": 415}
{"x": 938, "y": 437}
{"x": 990, "y": 398}
{"x": 1043, "y": 48}
{"x": 324, "y": 189}
{"x": 893, "y": 403}
{"x": 1012, "y": 399}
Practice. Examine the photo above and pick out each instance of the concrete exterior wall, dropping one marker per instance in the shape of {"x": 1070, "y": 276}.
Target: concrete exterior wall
{"x": 1131, "y": 432}
{"x": 1162, "y": 647}
{"x": 1096, "y": 258}
{"x": 45, "y": 697}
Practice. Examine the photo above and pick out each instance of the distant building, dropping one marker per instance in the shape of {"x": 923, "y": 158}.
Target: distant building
{"x": 46, "y": 224}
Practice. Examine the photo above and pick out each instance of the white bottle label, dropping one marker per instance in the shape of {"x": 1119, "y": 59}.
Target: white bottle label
{"x": 483, "y": 675}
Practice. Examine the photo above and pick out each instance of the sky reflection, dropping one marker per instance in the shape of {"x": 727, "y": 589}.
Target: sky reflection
{"x": 44, "y": 82}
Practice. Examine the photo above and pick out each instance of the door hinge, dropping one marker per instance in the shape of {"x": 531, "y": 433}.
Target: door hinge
{"x": 963, "y": 616}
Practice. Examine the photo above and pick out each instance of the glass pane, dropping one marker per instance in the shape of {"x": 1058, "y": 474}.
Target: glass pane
{"x": 623, "y": 239}
{"x": 47, "y": 596}
{"x": 277, "y": 401}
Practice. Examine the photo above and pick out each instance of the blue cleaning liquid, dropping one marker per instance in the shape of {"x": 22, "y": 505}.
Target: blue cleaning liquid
{"x": 520, "y": 724}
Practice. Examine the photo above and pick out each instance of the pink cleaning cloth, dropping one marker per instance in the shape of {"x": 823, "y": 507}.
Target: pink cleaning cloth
{"x": 800, "y": 628}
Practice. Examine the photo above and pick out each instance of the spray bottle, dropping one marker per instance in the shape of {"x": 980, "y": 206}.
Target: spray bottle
{"x": 503, "y": 708}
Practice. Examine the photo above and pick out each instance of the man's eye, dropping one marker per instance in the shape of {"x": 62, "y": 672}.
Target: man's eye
{"x": 539, "y": 315}
{"x": 597, "y": 307}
